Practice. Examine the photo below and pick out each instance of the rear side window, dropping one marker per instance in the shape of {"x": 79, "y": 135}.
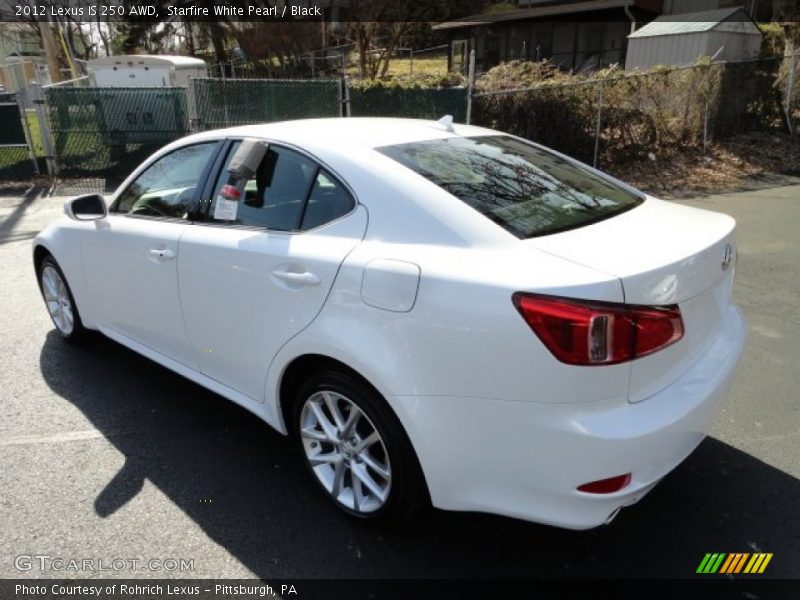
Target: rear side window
{"x": 289, "y": 192}
{"x": 275, "y": 196}
{"x": 328, "y": 201}
{"x": 526, "y": 190}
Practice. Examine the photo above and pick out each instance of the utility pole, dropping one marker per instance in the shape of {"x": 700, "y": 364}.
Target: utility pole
{"x": 49, "y": 45}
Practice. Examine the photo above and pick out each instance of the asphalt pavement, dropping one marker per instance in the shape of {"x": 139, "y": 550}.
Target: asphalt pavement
{"x": 104, "y": 455}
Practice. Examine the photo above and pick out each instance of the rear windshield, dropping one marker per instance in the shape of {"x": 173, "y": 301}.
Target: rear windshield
{"x": 526, "y": 190}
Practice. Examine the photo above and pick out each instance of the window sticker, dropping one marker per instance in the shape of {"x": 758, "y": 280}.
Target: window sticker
{"x": 225, "y": 209}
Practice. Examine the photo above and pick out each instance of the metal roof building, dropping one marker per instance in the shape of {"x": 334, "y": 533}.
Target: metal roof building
{"x": 726, "y": 34}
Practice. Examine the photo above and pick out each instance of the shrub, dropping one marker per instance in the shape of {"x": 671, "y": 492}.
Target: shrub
{"x": 641, "y": 112}
{"x": 519, "y": 74}
{"x": 774, "y": 40}
{"x": 418, "y": 81}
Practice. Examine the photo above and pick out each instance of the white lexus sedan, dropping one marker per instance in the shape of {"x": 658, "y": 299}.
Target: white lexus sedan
{"x": 437, "y": 313}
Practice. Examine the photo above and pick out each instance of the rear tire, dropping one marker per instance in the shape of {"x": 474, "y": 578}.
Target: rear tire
{"x": 356, "y": 449}
{"x": 59, "y": 301}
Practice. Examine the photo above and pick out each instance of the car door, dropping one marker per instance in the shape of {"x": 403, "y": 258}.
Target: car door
{"x": 130, "y": 258}
{"x": 249, "y": 285}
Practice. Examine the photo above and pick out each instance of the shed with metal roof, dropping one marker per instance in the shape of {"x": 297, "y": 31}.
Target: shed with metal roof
{"x": 725, "y": 34}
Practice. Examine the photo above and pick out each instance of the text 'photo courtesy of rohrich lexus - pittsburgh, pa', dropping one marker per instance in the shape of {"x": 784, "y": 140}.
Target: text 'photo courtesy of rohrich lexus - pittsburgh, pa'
{"x": 438, "y": 314}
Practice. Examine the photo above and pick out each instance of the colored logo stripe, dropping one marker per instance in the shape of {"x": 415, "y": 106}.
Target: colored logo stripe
{"x": 735, "y": 562}
{"x": 758, "y": 563}
{"x": 710, "y": 563}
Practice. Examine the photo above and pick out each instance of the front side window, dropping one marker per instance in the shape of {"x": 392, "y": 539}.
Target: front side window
{"x": 289, "y": 192}
{"x": 526, "y": 190}
{"x": 167, "y": 187}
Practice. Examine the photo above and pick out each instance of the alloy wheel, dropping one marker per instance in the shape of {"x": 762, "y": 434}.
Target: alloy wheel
{"x": 58, "y": 301}
{"x": 345, "y": 451}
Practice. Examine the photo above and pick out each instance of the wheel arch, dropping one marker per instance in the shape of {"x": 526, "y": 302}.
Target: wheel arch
{"x": 292, "y": 377}
{"x": 40, "y": 252}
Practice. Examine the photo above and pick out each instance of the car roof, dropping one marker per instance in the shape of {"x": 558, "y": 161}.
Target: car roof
{"x": 368, "y": 132}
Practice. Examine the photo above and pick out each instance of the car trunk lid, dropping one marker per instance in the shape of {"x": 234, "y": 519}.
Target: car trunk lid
{"x": 663, "y": 254}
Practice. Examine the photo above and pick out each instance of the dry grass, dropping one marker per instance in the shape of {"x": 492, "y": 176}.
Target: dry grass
{"x": 739, "y": 163}
{"x": 430, "y": 64}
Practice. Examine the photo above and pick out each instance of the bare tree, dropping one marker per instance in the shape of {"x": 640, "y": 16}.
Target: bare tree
{"x": 276, "y": 43}
{"x": 787, "y": 13}
{"x": 381, "y": 29}
{"x": 383, "y": 26}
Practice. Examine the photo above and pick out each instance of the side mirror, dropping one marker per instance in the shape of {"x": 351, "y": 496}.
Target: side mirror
{"x": 88, "y": 207}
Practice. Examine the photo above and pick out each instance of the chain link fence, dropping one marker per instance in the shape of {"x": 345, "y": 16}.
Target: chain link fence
{"x": 109, "y": 131}
{"x": 789, "y": 80}
{"x": 612, "y": 118}
{"x": 16, "y": 158}
{"x": 621, "y": 117}
{"x": 228, "y": 102}
{"x": 749, "y": 98}
{"x": 410, "y": 103}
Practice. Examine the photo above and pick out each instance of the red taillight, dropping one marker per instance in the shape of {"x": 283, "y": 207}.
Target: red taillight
{"x": 606, "y": 486}
{"x": 580, "y": 332}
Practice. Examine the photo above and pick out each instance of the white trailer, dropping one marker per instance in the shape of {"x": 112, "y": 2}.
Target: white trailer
{"x": 140, "y": 117}
{"x": 134, "y": 70}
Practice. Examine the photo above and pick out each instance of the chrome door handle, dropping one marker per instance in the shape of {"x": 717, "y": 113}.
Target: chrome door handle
{"x": 163, "y": 254}
{"x": 293, "y": 278}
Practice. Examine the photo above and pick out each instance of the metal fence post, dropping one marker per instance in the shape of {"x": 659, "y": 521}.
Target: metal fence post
{"x": 225, "y": 103}
{"x": 411, "y": 61}
{"x": 341, "y": 92}
{"x": 789, "y": 90}
{"x": 599, "y": 121}
{"x": 470, "y": 85}
{"x": 346, "y": 100}
{"x": 44, "y": 129}
{"x": 23, "y": 112}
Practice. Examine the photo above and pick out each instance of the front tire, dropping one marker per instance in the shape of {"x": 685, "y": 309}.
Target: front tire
{"x": 59, "y": 301}
{"x": 356, "y": 449}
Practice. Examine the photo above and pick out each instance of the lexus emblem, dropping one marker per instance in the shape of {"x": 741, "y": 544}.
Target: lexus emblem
{"x": 726, "y": 257}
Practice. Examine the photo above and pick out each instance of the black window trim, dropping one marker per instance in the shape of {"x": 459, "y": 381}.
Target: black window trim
{"x": 205, "y": 202}
{"x": 194, "y": 203}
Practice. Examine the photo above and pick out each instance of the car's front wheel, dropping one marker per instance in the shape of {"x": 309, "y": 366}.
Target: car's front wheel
{"x": 59, "y": 301}
{"x": 356, "y": 448}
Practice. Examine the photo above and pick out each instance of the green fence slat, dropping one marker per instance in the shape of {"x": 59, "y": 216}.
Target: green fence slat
{"x": 15, "y": 157}
{"x": 230, "y": 102}
{"x": 109, "y": 131}
{"x": 409, "y": 103}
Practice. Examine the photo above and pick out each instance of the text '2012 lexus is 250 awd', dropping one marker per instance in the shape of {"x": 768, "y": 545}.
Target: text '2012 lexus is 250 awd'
{"x": 436, "y": 312}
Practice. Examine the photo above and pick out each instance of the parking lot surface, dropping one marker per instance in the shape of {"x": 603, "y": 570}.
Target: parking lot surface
{"x": 105, "y": 455}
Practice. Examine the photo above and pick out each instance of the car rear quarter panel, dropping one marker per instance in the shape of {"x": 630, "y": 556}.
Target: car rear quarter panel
{"x": 463, "y": 337}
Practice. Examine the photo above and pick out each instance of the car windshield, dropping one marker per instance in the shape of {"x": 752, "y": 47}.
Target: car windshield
{"x": 526, "y": 190}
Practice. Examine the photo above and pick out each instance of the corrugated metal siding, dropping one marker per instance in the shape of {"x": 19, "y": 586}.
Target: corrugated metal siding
{"x": 738, "y": 46}
{"x": 683, "y": 49}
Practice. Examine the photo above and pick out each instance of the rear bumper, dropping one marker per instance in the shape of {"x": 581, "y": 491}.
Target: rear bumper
{"x": 526, "y": 459}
